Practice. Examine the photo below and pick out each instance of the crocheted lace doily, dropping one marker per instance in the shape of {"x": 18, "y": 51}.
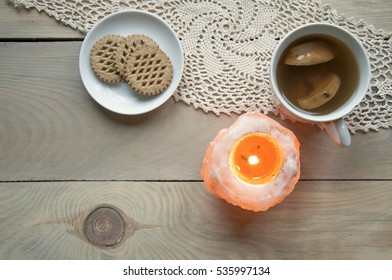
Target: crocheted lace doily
{"x": 228, "y": 45}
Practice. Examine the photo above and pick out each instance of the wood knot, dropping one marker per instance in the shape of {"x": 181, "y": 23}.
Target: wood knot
{"x": 104, "y": 226}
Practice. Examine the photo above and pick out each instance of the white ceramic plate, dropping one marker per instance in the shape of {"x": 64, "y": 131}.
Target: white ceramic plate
{"x": 120, "y": 98}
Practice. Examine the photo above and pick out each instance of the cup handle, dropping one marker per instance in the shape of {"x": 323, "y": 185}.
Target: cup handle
{"x": 338, "y": 132}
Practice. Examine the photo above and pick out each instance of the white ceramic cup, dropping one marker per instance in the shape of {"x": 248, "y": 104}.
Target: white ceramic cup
{"x": 332, "y": 122}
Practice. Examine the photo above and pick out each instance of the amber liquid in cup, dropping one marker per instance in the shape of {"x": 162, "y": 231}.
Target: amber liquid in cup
{"x": 296, "y": 82}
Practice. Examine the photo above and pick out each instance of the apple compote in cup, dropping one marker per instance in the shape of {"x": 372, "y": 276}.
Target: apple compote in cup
{"x": 319, "y": 72}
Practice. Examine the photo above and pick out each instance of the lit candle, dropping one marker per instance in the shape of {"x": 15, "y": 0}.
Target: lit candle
{"x": 253, "y": 164}
{"x": 256, "y": 158}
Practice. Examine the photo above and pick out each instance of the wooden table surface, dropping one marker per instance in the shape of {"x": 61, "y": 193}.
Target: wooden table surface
{"x": 62, "y": 156}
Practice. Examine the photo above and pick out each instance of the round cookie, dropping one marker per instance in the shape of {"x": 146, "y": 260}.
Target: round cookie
{"x": 130, "y": 44}
{"x": 103, "y": 58}
{"x": 148, "y": 70}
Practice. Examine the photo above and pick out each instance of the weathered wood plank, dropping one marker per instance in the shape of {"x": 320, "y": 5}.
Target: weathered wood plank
{"x": 374, "y": 12}
{"x": 51, "y": 129}
{"x": 28, "y": 23}
{"x": 319, "y": 220}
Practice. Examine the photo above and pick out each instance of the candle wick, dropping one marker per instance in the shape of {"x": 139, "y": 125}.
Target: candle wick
{"x": 253, "y": 160}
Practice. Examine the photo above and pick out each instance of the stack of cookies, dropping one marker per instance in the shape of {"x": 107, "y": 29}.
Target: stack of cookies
{"x": 136, "y": 59}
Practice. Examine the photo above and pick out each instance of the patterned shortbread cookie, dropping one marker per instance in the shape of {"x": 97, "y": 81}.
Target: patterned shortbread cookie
{"x": 131, "y": 43}
{"x": 103, "y": 58}
{"x": 148, "y": 70}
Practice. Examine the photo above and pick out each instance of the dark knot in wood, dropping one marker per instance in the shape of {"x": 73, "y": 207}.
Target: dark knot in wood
{"x": 104, "y": 226}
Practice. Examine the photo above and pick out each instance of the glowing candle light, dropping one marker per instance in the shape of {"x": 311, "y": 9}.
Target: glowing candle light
{"x": 256, "y": 158}
{"x": 253, "y": 160}
{"x": 253, "y": 164}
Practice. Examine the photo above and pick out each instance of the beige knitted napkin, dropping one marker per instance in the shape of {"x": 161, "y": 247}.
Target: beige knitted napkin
{"x": 228, "y": 47}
